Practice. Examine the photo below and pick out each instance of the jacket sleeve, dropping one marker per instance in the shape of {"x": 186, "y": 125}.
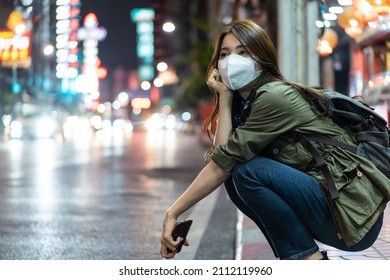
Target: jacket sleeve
{"x": 276, "y": 110}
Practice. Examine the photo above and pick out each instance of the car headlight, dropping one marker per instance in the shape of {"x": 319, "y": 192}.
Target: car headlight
{"x": 45, "y": 128}
{"x": 16, "y": 129}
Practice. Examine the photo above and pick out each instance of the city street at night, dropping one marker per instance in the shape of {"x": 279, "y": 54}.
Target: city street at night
{"x": 108, "y": 111}
{"x": 105, "y": 197}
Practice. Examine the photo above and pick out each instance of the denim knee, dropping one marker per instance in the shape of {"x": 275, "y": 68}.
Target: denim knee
{"x": 239, "y": 176}
{"x": 243, "y": 172}
{"x": 240, "y": 171}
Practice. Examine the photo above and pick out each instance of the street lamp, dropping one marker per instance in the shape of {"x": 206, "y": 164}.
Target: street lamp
{"x": 145, "y": 85}
{"x": 158, "y": 82}
{"x": 48, "y": 50}
{"x": 168, "y": 27}
{"x": 162, "y": 66}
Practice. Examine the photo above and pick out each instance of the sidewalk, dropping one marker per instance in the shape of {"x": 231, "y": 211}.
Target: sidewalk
{"x": 252, "y": 245}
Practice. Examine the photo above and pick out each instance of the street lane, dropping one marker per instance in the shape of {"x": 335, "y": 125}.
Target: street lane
{"x": 101, "y": 197}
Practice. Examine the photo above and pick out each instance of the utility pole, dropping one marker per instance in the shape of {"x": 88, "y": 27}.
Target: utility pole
{"x": 297, "y": 41}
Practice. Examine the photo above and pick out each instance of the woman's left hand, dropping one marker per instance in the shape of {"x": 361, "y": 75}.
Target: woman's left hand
{"x": 167, "y": 241}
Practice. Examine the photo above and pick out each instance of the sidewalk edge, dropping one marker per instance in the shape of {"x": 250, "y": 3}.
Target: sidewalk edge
{"x": 240, "y": 220}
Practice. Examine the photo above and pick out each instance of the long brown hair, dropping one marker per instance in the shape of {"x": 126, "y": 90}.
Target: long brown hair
{"x": 257, "y": 43}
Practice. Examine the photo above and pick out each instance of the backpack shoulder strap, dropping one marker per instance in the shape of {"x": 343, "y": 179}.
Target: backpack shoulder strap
{"x": 320, "y": 164}
{"x": 318, "y": 160}
{"x": 329, "y": 141}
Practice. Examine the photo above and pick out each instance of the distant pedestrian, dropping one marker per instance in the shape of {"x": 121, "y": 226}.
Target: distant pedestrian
{"x": 286, "y": 195}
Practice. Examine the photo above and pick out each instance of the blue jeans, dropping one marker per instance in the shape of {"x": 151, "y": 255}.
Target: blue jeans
{"x": 289, "y": 207}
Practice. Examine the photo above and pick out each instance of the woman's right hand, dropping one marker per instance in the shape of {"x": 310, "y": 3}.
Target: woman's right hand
{"x": 215, "y": 83}
{"x": 224, "y": 124}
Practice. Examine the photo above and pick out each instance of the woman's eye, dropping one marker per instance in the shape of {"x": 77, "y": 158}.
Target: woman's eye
{"x": 223, "y": 55}
{"x": 243, "y": 52}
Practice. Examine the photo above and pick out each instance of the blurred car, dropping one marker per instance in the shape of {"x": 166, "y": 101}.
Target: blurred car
{"x": 161, "y": 121}
{"x": 34, "y": 126}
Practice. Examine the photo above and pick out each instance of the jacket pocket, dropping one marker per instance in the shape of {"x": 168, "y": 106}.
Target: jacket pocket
{"x": 359, "y": 199}
{"x": 294, "y": 155}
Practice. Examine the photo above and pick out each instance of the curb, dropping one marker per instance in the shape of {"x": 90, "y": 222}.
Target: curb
{"x": 252, "y": 245}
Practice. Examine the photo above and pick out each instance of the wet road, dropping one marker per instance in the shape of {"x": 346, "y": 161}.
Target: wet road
{"x": 104, "y": 198}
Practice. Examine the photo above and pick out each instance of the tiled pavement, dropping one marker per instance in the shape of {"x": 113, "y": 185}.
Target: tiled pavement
{"x": 252, "y": 245}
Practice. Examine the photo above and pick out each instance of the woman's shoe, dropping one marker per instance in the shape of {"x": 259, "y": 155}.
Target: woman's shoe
{"x": 324, "y": 255}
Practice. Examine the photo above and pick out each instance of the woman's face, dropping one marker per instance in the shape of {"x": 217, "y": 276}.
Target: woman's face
{"x": 231, "y": 45}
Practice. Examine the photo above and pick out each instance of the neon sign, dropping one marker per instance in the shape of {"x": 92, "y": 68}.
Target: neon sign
{"x": 66, "y": 40}
{"x": 14, "y": 47}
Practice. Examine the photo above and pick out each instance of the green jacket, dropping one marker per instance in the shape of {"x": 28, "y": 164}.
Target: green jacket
{"x": 278, "y": 108}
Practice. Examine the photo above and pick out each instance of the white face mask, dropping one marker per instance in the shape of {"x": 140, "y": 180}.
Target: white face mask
{"x": 237, "y": 71}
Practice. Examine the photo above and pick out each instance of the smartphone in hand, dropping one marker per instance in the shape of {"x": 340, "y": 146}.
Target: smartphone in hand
{"x": 181, "y": 230}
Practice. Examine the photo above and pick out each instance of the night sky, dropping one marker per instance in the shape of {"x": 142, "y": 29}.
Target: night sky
{"x": 119, "y": 47}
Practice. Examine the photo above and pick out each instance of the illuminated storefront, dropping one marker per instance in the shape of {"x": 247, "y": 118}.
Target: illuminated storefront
{"x": 367, "y": 23}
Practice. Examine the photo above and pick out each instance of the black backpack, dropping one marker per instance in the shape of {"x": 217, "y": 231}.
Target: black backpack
{"x": 366, "y": 127}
